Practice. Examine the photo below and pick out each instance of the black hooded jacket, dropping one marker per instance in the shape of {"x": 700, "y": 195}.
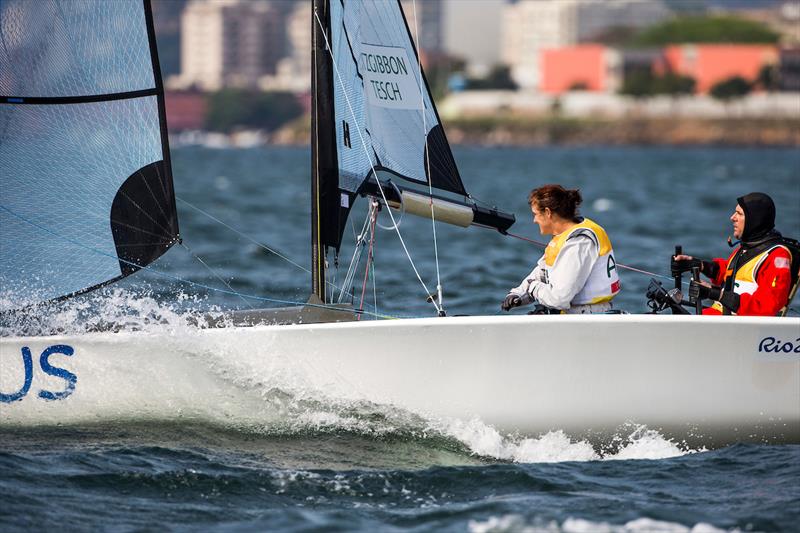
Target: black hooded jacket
{"x": 759, "y": 220}
{"x": 758, "y": 235}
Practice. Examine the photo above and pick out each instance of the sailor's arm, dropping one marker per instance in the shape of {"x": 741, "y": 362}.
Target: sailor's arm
{"x": 714, "y": 269}
{"x": 568, "y": 275}
{"x": 523, "y": 289}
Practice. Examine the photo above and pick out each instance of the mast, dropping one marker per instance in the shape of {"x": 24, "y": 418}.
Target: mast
{"x": 324, "y": 168}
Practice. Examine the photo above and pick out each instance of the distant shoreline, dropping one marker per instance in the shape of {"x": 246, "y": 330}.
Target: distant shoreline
{"x": 550, "y": 131}
{"x": 553, "y": 131}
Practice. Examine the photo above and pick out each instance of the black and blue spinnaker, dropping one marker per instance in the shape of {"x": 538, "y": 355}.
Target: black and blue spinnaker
{"x": 86, "y": 193}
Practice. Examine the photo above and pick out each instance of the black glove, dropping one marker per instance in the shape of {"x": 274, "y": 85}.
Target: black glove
{"x": 709, "y": 268}
{"x": 678, "y": 266}
{"x": 511, "y": 301}
{"x": 698, "y": 292}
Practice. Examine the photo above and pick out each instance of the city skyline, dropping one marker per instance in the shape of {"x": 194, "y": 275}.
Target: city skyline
{"x": 265, "y": 44}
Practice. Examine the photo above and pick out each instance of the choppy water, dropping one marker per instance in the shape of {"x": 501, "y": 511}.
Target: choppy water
{"x": 317, "y": 466}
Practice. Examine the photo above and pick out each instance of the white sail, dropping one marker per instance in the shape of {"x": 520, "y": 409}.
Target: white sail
{"x": 384, "y": 113}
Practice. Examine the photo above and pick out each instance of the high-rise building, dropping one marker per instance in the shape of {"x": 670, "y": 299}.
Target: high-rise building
{"x": 293, "y": 72}
{"x": 424, "y": 19}
{"x": 533, "y": 25}
{"x": 230, "y": 43}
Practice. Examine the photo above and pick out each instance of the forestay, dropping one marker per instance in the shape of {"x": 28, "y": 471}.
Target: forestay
{"x": 86, "y": 194}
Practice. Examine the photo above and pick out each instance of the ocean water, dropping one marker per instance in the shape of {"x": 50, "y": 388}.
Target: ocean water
{"x": 309, "y": 465}
{"x": 648, "y": 199}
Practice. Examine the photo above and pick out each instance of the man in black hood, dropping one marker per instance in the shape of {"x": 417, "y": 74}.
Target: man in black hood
{"x": 758, "y": 210}
{"x": 757, "y": 278}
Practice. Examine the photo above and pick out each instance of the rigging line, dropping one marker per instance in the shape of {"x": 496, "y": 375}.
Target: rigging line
{"x": 145, "y": 213}
{"x": 374, "y": 286}
{"x": 366, "y": 151}
{"x": 214, "y": 273}
{"x": 152, "y": 194}
{"x": 251, "y": 239}
{"x": 369, "y": 261}
{"x": 185, "y": 281}
{"x": 357, "y": 251}
{"x": 620, "y": 265}
{"x": 261, "y": 245}
{"x": 427, "y": 160}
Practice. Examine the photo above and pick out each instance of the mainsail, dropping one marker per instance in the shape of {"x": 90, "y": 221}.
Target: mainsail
{"x": 86, "y": 194}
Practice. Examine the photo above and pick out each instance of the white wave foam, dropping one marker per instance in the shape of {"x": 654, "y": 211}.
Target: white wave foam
{"x": 556, "y": 446}
{"x": 602, "y": 204}
{"x": 112, "y": 308}
{"x": 518, "y": 524}
{"x": 646, "y": 443}
{"x": 485, "y": 440}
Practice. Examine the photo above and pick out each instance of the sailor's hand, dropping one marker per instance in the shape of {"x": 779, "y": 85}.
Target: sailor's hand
{"x": 511, "y": 301}
{"x": 700, "y": 290}
{"x": 684, "y": 263}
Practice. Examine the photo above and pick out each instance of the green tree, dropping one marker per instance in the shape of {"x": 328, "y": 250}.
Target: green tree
{"x": 673, "y": 84}
{"x": 768, "y": 78}
{"x": 638, "y": 84}
{"x": 229, "y": 109}
{"x": 717, "y": 29}
{"x": 438, "y": 70}
{"x": 498, "y": 78}
{"x": 578, "y": 86}
{"x": 726, "y": 90}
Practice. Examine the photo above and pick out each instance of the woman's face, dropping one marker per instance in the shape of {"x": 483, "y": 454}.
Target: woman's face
{"x": 544, "y": 218}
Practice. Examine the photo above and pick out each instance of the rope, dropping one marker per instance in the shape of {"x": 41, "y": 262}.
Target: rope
{"x": 254, "y": 241}
{"x": 186, "y": 281}
{"x": 356, "y": 259}
{"x": 366, "y": 152}
{"x": 620, "y": 265}
{"x": 243, "y": 235}
{"x": 369, "y": 261}
{"x": 213, "y": 272}
{"x": 428, "y": 164}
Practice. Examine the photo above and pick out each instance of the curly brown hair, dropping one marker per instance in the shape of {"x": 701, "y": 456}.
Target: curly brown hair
{"x": 563, "y": 202}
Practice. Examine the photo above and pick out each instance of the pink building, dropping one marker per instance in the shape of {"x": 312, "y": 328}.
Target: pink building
{"x": 597, "y": 68}
{"x": 709, "y": 64}
{"x": 569, "y": 67}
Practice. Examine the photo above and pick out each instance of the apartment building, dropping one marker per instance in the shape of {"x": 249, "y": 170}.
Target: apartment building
{"x": 230, "y": 43}
{"x": 533, "y": 25}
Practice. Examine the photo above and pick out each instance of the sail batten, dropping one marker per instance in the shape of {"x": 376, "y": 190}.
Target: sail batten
{"x": 83, "y": 99}
{"x": 86, "y": 189}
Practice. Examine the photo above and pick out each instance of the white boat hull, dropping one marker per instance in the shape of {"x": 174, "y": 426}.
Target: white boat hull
{"x": 713, "y": 380}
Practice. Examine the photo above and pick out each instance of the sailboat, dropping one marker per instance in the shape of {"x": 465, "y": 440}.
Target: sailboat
{"x": 86, "y": 198}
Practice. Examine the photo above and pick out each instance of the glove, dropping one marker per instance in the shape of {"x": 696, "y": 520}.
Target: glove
{"x": 511, "y": 301}
{"x": 678, "y": 266}
{"x": 699, "y": 291}
{"x": 709, "y": 268}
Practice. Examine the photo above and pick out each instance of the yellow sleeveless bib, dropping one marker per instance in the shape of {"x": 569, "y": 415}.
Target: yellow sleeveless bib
{"x": 603, "y": 281}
